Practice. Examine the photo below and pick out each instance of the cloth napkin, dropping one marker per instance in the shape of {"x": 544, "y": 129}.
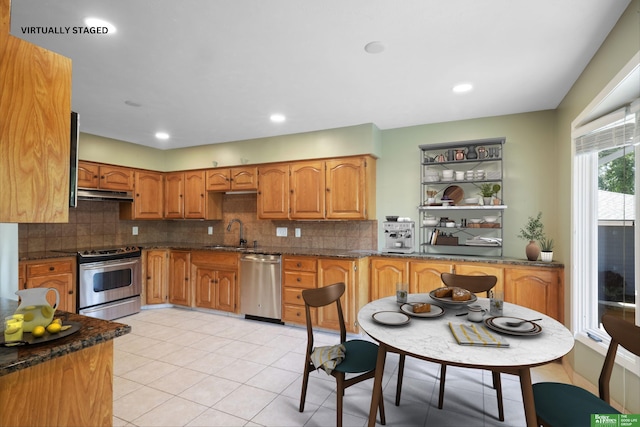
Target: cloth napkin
{"x": 480, "y": 336}
{"x": 328, "y": 357}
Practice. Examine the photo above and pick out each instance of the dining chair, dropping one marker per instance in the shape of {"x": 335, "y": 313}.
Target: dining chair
{"x": 360, "y": 356}
{"x": 475, "y": 284}
{"x": 559, "y": 404}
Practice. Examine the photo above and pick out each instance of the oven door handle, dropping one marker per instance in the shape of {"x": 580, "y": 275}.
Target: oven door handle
{"x": 116, "y": 262}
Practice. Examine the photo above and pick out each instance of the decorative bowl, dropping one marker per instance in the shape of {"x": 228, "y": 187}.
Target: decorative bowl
{"x": 430, "y": 222}
{"x": 474, "y": 220}
{"x": 490, "y": 219}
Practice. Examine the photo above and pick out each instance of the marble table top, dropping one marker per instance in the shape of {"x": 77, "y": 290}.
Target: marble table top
{"x": 431, "y": 338}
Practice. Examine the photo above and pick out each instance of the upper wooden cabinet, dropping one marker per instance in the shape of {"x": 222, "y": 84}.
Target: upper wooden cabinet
{"x": 342, "y": 188}
{"x": 185, "y": 197}
{"x": 35, "y": 124}
{"x": 148, "y": 199}
{"x": 244, "y": 178}
{"x": 105, "y": 177}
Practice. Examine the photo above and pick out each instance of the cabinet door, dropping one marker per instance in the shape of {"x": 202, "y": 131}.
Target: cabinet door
{"x": 332, "y": 271}
{"x": 536, "y": 288}
{"x": 157, "y": 277}
{"x": 385, "y": 274}
{"x": 116, "y": 178}
{"x": 425, "y": 275}
{"x": 179, "y": 278}
{"x": 244, "y": 178}
{"x": 346, "y": 188}
{"x": 226, "y": 290}
{"x": 35, "y": 112}
{"x": 63, "y": 283}
{"x": 205, "y": 287}
{"x": 174, "y": 195}
{"x": 474, "y": 269}
{"x": 195, "y": 201}
{"x": 273, "y": 192}
{"x": 88, "y": 175}
{"x": 218, "y": 180}
{"x": 307, "y": 190}
{"x": 148, "y": 202}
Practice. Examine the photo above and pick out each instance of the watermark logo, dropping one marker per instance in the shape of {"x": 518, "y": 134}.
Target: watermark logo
{"x": 615, "y": 420}
{"x": 64, "y": 30}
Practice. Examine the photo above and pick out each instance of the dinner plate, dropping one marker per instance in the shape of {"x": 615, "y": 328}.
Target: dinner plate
{"x": 436, "y": 311}
{"x": 503, "y": 322}
{"x": 455, "y": 193}
{"x": 489, "y": 323}
{"x": 391, "y": 318}
{"x": 450, "y": 301}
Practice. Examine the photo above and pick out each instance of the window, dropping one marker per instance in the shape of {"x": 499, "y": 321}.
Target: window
{"x": 606, "y": 240}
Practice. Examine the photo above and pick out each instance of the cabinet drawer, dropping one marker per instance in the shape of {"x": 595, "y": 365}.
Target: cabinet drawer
{"x": 296, "y": 314}
{"x": 212, "y": 258}
{"x": 49, "y": 268}
{"x": 300, "y": 264}
{"x": 292, "y": 296}
{"x": 299, "y": 279}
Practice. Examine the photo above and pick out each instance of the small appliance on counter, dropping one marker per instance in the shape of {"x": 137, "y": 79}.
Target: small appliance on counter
{"x": 399, "y": 236}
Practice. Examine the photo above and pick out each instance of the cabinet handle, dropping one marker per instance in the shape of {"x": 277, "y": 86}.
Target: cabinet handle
{"x": 299, "y": 264}
{"x": 328, "y": 190}
{"x": 298, "y": 296}
{"x": 70, "y": 292}
{"x": 52, "y": 268}
{"x": 186, "y": 279}
{"x": 137, "y": 195}
{"x": 298, "y": 314}
{"x": 298, "y": 279}
{"x": 101, "y": 176}
{"x": 148, "y": 277}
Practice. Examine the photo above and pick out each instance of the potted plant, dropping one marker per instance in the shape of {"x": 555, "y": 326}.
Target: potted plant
{"x": 533, "y": 231}
{"x": 546, "y": 247}
{"x": 488, "y": 190}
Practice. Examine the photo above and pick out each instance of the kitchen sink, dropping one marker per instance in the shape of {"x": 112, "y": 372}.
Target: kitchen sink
{"x": 228, "y": 247}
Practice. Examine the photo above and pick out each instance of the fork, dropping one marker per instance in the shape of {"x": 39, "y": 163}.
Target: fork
{"x": 514, "y": 324}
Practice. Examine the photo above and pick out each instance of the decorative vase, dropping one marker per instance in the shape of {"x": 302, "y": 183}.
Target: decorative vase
{"x": 471, "y": 153}
{"x": 532, "y": 250}
{"x": 546, "y": 256}
{"x": 459, "y": 154}
{"x": 486, "y": 201}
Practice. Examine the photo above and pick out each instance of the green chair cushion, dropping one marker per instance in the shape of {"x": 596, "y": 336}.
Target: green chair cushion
{"x": 360, "y": 356}
{"x": 565, "y": 405}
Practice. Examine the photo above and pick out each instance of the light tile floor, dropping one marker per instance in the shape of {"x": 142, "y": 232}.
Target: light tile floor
{"x": 189, "y": 368}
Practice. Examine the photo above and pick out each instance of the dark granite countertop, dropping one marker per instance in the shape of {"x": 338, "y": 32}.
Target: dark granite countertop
{"x": 333, "y": 253}
{"x": 92, "y": 332}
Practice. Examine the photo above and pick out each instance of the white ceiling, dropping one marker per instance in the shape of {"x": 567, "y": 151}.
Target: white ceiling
{"x": 214, "y": 71}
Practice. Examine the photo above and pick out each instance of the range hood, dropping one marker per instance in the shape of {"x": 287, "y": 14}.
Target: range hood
{"x": 105, "y": 195}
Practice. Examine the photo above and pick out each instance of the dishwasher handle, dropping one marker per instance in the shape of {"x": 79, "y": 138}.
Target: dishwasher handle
{"x": 267, "y": 259}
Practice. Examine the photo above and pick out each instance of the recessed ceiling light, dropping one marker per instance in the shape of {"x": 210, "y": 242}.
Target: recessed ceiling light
{"x": 463, "y": 87}
{"x": 97, "y": 22}
{"x": 374, "y": 47}
{"x": 162, "y": 135}
{"x": 278, "y": 118}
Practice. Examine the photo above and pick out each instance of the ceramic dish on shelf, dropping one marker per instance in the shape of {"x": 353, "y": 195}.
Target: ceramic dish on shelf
{"x": 436, "y": 311}
{"x": 490, "y": 219}
{"x": 471, "y": 201}
{"x": 492, "y": 324}
{"x": 454, "y": 193}
{"x": 391, "y": 318}
{"x": 450, "y": 301}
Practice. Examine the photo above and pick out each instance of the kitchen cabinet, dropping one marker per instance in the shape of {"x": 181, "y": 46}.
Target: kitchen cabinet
{"x": 307, "y": 190}
{"x": 354, "y": 274}
{"x": 385, "y": 273}
{"x": 185, "y": 197}
{"x": 216, "y": 280}
{"x": 242, "y": 178}
{"x": 35, "y": 124}
{"x": 180, "y": 278}
{"x": 480, "y": 269}
{"x": 105, "y": 177}
{"x": 447, "y": 197}
{"x": 350, "y": 192}
{"x": 541, "y": 289}
{"x": 156, "y": 273}
{"x": 148, "y": 202}
{"x": 425, "y": 275}
{"x": 298, "y": 273}
{"x": 58, "y": 273}
{"x": 273, "y": 191}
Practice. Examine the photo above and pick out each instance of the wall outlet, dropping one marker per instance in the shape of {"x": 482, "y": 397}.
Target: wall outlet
{"x": 210, "y": 230}
{"x": 281, "y": 231}
{"x": 298, "y": 232}
{"x": 134, "y": 231}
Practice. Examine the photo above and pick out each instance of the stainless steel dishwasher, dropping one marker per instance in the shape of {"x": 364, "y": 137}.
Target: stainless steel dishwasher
{"x": 261, "y": 286}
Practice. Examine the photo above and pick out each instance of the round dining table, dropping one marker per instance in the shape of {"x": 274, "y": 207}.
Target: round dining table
{"x": 431, "y": 338}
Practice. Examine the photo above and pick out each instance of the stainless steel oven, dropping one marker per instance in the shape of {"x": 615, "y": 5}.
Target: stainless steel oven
{"x": 109, "y": 282}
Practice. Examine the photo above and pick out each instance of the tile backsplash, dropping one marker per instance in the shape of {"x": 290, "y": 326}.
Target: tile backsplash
{"x": 96, "y": 224}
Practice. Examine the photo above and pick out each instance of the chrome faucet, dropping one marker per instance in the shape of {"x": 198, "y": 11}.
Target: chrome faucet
{"x": 243, "y": 242}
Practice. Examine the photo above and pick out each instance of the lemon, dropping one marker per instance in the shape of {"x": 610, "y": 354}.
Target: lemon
{"x": 11, "y": 330}
{"x": 57, "y": 320}
{"x": 38, "y": 331}
{"x": 54, "y": 328}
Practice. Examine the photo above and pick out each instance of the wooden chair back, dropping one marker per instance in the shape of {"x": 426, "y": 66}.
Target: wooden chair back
{"x": 622, "y": 333}
{"x": 475, "y": 284}
{"x": 321, "y": 297}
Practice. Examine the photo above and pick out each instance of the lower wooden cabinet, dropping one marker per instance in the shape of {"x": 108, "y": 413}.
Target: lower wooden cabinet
{"x": 156, "y": 276}
{"x": 385, "y": 273}
{"x": 216, "y": 280}
{"x": 298, "y": 274}
{"x": 180, "y": 278}
{"x": 541, "y": 289}
{"x": 479, "y": 269}
{"x": 424, "y": 276}
{"x": 58, "y": 273}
